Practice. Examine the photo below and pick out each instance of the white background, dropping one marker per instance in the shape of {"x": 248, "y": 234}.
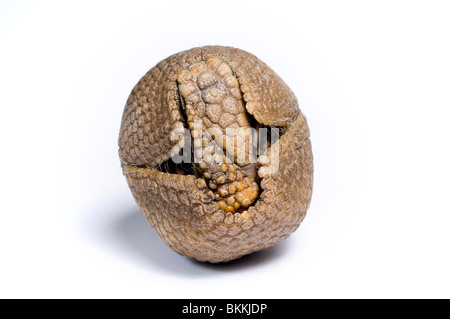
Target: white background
{"x": 372, "y": 77}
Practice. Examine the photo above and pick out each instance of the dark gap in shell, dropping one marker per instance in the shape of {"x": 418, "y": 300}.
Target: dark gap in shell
{"x": 169, "y": 166}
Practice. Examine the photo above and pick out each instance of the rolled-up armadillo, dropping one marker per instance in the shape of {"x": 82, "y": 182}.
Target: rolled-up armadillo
{"x": 245, "y": 181}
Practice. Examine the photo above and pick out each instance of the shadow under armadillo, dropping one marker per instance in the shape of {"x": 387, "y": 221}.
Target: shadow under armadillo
{"x": 132, "y": 229}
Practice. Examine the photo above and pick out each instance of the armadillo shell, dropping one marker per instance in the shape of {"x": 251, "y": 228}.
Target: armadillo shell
{"x": 180, "y": 207}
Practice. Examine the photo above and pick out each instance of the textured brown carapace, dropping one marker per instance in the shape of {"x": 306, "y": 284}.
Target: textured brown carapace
{"x": 221, "y": 206}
